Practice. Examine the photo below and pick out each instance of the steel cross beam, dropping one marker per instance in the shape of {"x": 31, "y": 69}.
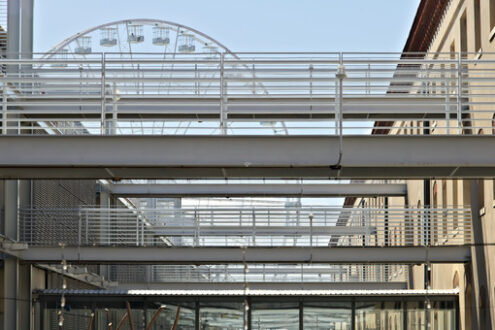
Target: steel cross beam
{"x": 171, "y": 157}
{"x": 251, "y": 190}
{"x": 236, "y": 255}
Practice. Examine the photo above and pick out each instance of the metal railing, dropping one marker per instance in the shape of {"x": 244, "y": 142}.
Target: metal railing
{"x": 260, "y": 273}
{"x": 311, "y": 227}
{"x": 253, "y": 93}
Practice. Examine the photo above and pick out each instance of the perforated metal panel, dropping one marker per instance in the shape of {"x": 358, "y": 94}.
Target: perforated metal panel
{"x": 63, "y": 193}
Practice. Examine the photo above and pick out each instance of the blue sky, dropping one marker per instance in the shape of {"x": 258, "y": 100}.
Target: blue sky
{"x": 246, "y": 25}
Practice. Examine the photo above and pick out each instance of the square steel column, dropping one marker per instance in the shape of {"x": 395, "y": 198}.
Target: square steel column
{"x": 11, "y": 265}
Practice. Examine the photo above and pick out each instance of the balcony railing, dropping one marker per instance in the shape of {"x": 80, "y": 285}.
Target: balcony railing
{"x": 215, "y": 227}
{"x": 259, "y": 273}
{"x": 252, "y": 93}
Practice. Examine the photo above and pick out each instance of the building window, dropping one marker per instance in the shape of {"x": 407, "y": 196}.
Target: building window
{"x": 434, "y": 218}
{"x": 444, "y": 207}
{"x": 477, "y": 26}
{"x": 493, "y": 132}
{"x": 455, "y": 280}
{"x": 492, "y": 15}
{"x": 464, "y": 40}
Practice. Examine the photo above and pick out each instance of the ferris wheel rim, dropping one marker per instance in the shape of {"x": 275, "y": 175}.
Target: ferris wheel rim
{"x": 149, "y": 21}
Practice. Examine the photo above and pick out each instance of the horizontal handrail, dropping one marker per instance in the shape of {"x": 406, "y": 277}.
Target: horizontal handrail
{"x": 113, "y": 93}
{"x": 247, "y": 226}
{"x": 265, "y": 273}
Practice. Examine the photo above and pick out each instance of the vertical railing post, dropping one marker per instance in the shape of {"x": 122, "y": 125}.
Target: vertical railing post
{"x": 4, "y": 108}
{"x": 447, "y": 107}
{"x": 310, "y": 82}
{"x": 79, "y": 230}
{"x": 459, "y": 94}
{"x": 254, "y": 228}
{"x": 196, "y": 79}
{"x": 103, "y": 95}
{"x": 311, "y": 229}
{"x": 196, "y": 228}
{"x": 115, "y": 99}
{"x": 340, "y": 75}
{"x": 142, "y": 233}
{"x": 86, "y": 226}
{"x": 368, "y": 80}
{"x": 137, "y": 230}
{"x": 222, "y": 94}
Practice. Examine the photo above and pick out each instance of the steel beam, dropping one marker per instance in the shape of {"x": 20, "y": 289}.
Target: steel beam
{"x": 230, "y": 255}
{"x": 252, "y": 190}
{"x": 205, "y": 107}
{"x": 170, "y": 157}
{"x": 264, "y": 286}
{"x": 261, "y": 231}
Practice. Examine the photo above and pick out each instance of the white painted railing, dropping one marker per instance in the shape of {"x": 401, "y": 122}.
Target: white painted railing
{"x": 311, "y": 227}
{"x": 260, "y": 273}
{"x": 254, "y": 93}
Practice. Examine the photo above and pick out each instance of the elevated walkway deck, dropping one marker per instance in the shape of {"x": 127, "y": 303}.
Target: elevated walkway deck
{"x": 172, "y": 157}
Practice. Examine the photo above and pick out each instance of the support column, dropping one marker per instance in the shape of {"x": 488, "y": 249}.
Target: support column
{"x": 17, "y": 306}
{"x": 11, "y": 265}
{"x": 26, "y": 28}
{"x": 24, "y": 315}
{"x": 105, "y": 204}
{"x": 13, "y": 27}
{"x": 478, "y": 262}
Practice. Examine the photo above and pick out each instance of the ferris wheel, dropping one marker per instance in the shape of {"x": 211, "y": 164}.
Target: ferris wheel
{"x": 137, "y": 36}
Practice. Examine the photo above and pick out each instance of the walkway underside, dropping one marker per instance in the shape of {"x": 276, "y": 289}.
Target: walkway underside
{"x": 228, "y": 255}
{"x": 264, "y": 189}
{"x": 155, "y": 157}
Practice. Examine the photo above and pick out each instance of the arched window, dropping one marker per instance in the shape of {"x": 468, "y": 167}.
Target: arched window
{"x": 434, "y": 216}
{"x": 455, "y": 280}
{"x": 493, "y": 132}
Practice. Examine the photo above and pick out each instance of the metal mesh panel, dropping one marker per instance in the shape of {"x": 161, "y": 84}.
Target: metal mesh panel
{"x": 128, "y": 273}
{"x": 60, "y": 194}
{"x": 63, "y": 193}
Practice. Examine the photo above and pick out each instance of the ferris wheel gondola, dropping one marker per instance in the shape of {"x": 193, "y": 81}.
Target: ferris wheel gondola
{"x": 159, "y": 39}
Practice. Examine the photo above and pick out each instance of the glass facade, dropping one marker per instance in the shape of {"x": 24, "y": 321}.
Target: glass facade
{"x": 327, "y": 315}
{"x": 275, "y": 315}
{"x": 379, "y": 315}
{"x": 221, "y": 315}
{"x": 257, "y": 312}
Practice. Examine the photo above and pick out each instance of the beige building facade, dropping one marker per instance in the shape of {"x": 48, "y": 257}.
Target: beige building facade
{"x": 453, "y": 29}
